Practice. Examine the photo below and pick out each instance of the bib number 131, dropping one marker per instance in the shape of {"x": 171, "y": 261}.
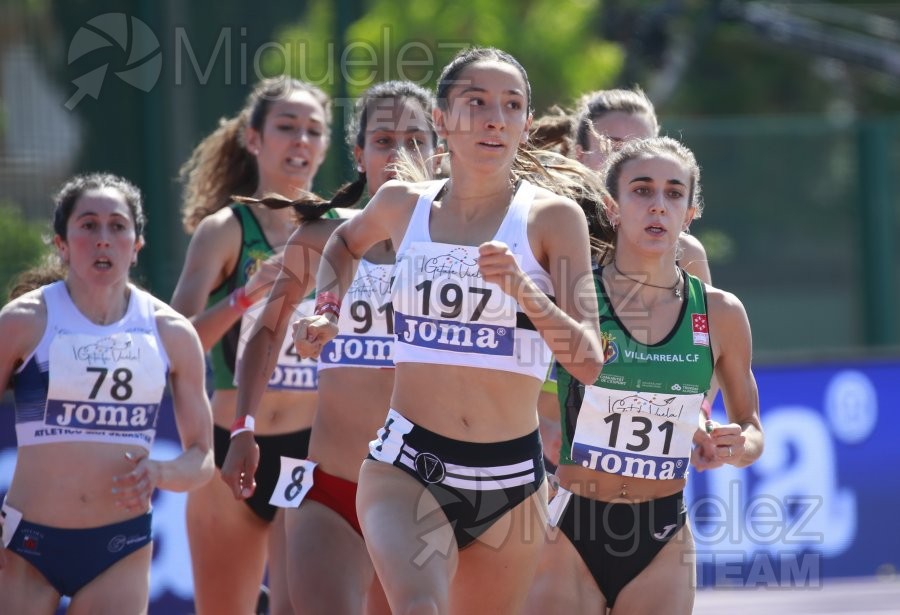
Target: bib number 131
{"x": 641, "y": 428}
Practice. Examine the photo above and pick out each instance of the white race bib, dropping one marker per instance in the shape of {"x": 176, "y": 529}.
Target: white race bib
{"x": 388, "y": 444}
{"x": 640, "y": 435}
{"x": 442, "y": 302}
{"x": 11, "y": 520}
{"x": 294, "y": 481}
{"x": 292, "y": 373}
{"x": 109, "y": 387}
{"x": 366, "y": 322}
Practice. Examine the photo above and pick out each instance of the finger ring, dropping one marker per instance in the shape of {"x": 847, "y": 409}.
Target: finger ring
{"x": 730, "y": 452}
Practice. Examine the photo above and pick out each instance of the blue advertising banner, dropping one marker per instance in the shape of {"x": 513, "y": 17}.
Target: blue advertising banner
{"x": 822, "y": 500}
{"x": 820, "y": 503}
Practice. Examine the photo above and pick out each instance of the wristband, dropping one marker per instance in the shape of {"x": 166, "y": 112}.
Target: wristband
{"x": 327, "y": 303}
{"x": 242, "y": 424}
{"x": 239, "y": 300}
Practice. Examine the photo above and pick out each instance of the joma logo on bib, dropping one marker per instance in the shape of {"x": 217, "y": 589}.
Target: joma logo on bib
{"x": 632, "y": 466}
{"x": 294, "y": 377}
{"x": 455, "y": 336}
{"x": 127, "y": 417}
{"x": 352, "y": 350}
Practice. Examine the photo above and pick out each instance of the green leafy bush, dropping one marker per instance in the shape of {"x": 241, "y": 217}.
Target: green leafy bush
{"x": 22, "y": 244}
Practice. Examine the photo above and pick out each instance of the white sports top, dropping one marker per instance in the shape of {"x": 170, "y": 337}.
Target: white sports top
{"x": 445, "y": 313}
{"x": 86, "y": 382}
{"x": 366, "y": 322}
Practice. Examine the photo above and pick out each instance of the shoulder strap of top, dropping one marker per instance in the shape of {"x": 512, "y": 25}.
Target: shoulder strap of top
{"x": 251, "y": 230}
{"x": 515, "y": 224}
{"x": 417, "y": 230}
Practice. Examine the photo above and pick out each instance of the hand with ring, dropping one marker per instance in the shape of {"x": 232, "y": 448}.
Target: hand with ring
{"x": 729, "y": 442}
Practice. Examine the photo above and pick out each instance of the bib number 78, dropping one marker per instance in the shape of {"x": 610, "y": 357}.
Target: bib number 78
{"x": 121, "y": 388}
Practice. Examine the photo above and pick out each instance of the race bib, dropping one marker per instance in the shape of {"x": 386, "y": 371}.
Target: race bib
{"x": 557, "y": 506}
{"x": 294, "y": 481}
{"x": 292, "y": 373}
{"x": 640, "y": 435}
{"x": 11, "y": 520}
{"x": 366, "y": 322}
{"x": 110, "y": 387}
{"x": 441, "y": 302}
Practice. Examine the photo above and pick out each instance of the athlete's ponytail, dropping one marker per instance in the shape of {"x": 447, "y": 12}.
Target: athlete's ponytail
{"x": 311, "y": 206}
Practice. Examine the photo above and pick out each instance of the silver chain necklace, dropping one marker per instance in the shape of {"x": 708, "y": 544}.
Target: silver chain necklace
{"x": 674, "y": 288}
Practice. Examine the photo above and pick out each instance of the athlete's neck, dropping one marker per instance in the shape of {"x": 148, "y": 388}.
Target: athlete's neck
{"x": 471, "y": 198}
{"x": 101, "y": 305}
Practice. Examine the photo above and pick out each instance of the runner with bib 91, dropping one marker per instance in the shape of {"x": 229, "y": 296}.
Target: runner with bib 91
{"x": 329, "y": 568}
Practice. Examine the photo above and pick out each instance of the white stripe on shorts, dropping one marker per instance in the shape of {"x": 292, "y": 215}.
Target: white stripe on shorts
{"x": 476, "y": 478}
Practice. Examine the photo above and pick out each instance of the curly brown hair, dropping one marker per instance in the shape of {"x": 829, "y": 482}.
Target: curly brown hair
{"x": 220, "y": 166}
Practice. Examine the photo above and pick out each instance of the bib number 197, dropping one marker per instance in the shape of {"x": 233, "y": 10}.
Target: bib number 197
{"x": 451, "y": 296}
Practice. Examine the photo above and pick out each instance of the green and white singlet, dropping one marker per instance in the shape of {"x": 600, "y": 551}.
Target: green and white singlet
{"x": 639, "y": 417}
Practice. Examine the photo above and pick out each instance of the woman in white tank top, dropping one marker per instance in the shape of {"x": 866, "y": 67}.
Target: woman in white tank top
{"x": 90, "y": 357}
{"x": 452, "y": 499}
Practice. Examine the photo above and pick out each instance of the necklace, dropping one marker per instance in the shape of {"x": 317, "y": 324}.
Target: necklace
{"x": 673, "y": 288}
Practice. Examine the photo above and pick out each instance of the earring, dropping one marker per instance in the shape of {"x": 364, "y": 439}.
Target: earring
{"x": 360, "y": 168}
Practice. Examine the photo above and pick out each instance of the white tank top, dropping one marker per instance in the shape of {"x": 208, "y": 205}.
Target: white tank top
{"x": 445, "y": 313}
{"x": 86, "y": 382}
{"x": 366, "y": 323}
